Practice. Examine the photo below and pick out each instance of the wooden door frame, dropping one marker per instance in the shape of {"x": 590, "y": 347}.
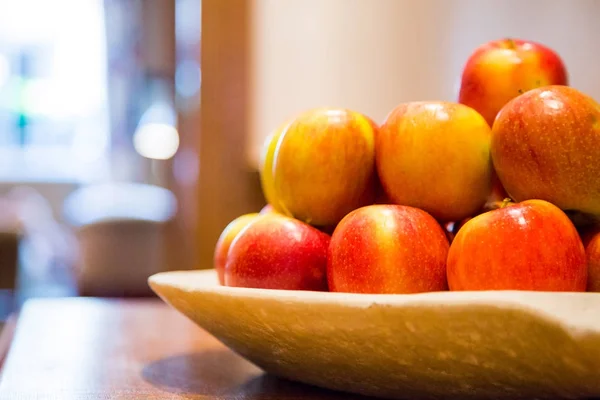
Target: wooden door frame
{"x": 227, "y": 186}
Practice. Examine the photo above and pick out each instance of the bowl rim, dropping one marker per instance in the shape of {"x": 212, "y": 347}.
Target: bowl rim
{"x": 208, "y": 283}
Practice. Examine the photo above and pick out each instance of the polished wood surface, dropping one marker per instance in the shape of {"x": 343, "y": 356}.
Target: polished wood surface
{"x": 83, "y": 349}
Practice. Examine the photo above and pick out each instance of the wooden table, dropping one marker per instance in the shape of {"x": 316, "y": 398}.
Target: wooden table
{"x": 82, "y": 349}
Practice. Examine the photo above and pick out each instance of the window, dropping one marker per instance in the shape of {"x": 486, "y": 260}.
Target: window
{"x": 54, "y": 122}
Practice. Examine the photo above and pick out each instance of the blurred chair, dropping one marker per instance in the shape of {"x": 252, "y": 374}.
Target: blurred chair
{"x": 46, "y": 248}
{"x": 121, "y": 231}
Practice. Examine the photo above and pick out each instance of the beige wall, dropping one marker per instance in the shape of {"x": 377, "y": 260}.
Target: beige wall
{"x": 372, "y": 54}
{"x": 265, "y": 60}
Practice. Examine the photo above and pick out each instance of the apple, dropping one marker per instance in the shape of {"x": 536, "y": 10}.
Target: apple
{"x": 225, "y": 239}
{"x": 278, "y": 252}
{"x": 591, "y": 242}
{"x": 324, "y": 165}
{"x": 498, "y": 193}
{"x": 500, "y": 70}
{"x": 266, "y": 164}
{"x": 435, "y": 156}
{"x": 531, "y": 245}
{"x": 387, "y": 249}
{"x": 546, "y": 145}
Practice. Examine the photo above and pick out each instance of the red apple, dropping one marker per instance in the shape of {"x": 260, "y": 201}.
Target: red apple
{"x": 224, "y": 242}
{"x": 278, "y": 252}
{"x": 435, "y": 156}
{"x": 591, "y": 242}
{"x": 500, "y": 70}
{"x": 530, "y": 245}
{"x": 387, "y": 249}
{"x": 324, "y": 165}
{"x": 546, "y": 145}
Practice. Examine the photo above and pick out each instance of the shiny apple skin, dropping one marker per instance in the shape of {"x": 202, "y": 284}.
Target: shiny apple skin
{"x": 266, "y": 164}
{"x": 324, "y": 165}
{"x": 278, "y": 252}
{"x": 546, "y": 145}
{"x": 387, "y": 249}
{"x": 500, "y": 70}
{"x": 435, "y": 156}
{"x": 224, "y": 242}
{"x": 530, "y": 245}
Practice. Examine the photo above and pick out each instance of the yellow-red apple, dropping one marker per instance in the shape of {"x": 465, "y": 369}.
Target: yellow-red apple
{"x": 224, "y": 242}
{"x": 266, "y": 164}
{"x": 500, "y": 70}
{"x": 278, "y": 252}
{"x": 324, "y": 165}
{"x": 435, "y": 156}
{"x": 546, "y": 145}
{"x": 531, "y": 245}
{"x": 387, "y": 249}
{"x": 591, "y": 242}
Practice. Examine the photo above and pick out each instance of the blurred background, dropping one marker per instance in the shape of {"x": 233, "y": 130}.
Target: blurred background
{"x": 130, "y": 130}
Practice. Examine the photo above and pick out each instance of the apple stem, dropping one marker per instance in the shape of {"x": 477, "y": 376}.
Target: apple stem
{"x": 495, "y": 205}
{"x": 511, "y": 44}
{"x": 506, "y": 202}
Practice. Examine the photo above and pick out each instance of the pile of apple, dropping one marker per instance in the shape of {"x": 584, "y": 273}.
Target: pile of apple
{"x": 498, "y": 191}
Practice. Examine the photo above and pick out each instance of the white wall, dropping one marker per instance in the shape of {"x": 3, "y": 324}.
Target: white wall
{"x": 370, "y": 55}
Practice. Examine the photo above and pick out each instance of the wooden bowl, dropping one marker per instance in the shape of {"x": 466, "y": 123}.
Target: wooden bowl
{"x": 511, "y": 344}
